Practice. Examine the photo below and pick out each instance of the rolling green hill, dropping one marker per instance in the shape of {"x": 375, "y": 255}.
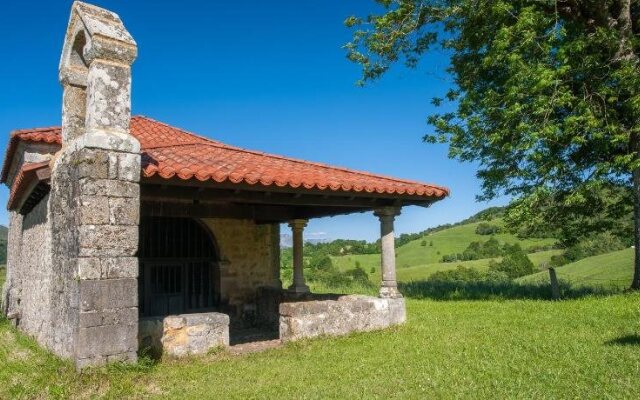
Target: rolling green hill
{"x": 611, "y": 269}
{"x": 415, "y": 261}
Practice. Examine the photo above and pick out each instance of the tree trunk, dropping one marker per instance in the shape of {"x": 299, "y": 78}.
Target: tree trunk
{"x": 635, "y": 284}
{"x": 626, "y": 52}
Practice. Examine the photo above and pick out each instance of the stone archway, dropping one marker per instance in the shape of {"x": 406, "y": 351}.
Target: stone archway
{"x": 179, "y": 272}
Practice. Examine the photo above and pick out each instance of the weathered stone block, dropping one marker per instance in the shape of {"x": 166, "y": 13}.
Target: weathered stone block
{"x": 89, "y": 268}
{"x": 108, "y": 97}
{"x": 108, "y": 240}
{"x": 120, "y": 267}
{"x": 106, "y": 340}
{"x": 110, "y": 188}
{"x": 338, "y": 317}
{"x": 124, "y": 166}
{"x": 123, "y": 211}
{"x": 99, "y": 295}
{"x": 90, "y": 164}
{"x": 93, "y": 210}
{"x": 182, "y": 335}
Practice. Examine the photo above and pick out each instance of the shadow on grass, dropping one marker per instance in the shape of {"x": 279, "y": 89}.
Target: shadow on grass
{"x": 492, "y": 290}
{"x": 627, "y": 340}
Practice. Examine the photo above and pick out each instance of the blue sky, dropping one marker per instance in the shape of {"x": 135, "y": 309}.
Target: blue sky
{"x": 271, "y": 76}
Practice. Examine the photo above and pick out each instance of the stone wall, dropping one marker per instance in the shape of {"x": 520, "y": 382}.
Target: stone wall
{"x": 250, "y": 257}
{"x": 183, "y": 335}
{"x": 27, "y": 295}
{"x": 354, "y": 313}
{"x": 95, "y": 214}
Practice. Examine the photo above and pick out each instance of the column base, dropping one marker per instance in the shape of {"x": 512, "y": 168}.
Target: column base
{"x": 299, "y": 288}
{"x": 389, "y": 292}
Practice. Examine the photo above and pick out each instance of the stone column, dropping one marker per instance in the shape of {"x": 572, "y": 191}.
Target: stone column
{"x": 389, "y": 287}
{"x": 95, "y": 194}
{"x": 275, "y": 256}
{"x": 297, "y": 227}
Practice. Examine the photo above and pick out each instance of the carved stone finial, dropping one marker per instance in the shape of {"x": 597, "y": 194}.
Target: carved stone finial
{"x": 95, "y": 72}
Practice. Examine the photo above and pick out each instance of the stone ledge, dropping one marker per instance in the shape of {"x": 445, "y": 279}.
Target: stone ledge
{"x": 185, "y": 334}
{"x": 346, "y": 314}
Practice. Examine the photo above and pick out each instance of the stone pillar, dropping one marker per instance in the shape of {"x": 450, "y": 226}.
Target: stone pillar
{"x": 389, "y": 287}
{"x": 95, "y": 193}
{"x": 297, "y": 227}
{"x": 275, "y": 256}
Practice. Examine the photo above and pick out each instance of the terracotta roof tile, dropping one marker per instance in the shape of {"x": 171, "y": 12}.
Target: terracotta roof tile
{"x": 172, "y": 153}
{"x": 24, "y": 179}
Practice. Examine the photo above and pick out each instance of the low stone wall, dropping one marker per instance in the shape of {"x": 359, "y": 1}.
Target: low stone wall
{"x": 346, "y": 314}
{"x": 183, "y": 335}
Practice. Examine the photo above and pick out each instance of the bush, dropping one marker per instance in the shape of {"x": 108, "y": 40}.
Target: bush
{"x": 477, "y": 251}
{"x": 358, "y": 276}
{"x": 423, "y": 243}
{"x": 592, "y": 246}
{"x": 514, "y": 264}
{"x": 321, "y": 263}
{"x": 487, "y": 229}
{"x": 460, "y": 274}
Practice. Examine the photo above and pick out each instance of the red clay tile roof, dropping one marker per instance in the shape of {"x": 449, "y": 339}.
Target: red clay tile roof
{"x": 27, "y": 175}
{"x": 45, "y": 135}
{"x": 172, "y": 153}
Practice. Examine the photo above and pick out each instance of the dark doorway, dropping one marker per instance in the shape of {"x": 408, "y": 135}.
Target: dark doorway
{"x": 178, "y": 267}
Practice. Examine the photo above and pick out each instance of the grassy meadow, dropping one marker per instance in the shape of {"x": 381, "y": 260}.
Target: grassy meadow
{"x": 583, "y": 348}
{"x": 416, "y": 262}
{"x": 504, "y": 341}
{"x": 613, "y": 270}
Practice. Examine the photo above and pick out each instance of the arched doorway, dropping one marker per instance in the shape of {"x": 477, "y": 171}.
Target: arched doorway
{"x": 178, "y": 267}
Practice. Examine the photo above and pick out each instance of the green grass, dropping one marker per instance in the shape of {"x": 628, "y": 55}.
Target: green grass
{"x": 609, "y": 270}
{"x": 448, "y": 241}
{"x": 3, "y": 276}
{"x": 587, "y": 348}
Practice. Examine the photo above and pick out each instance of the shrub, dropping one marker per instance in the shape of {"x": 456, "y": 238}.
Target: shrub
{"x": 460, "y": 274}
{"x": 514, "y": 264}
{"x": 592, "y": 246}
{"x": 423, "y": 243}
{"x": 358, "y": 276}
{"x": 321, "y": 263}
{"x": 487, "y": 229}
{"x": 476, "y": 251}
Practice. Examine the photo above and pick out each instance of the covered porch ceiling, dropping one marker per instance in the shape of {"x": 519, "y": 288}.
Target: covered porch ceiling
{"x": 263, "y": 204}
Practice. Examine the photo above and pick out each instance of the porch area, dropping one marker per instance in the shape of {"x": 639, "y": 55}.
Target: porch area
{"x": 209, "y": 269}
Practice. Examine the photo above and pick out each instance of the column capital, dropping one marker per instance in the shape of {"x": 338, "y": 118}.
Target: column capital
{"x": 389, "y": 211}
{"x": 298, "y": 223}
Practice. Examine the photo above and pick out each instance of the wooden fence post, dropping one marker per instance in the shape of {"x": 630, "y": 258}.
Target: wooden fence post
{"x": 555, "y": 287}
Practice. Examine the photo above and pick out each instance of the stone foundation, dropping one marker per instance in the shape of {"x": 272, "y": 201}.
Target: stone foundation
{"x": 346, "y": 314}
{"x": 183, "y": 335}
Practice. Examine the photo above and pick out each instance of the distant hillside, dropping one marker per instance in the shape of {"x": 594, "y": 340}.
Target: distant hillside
{"x": 419, "y": 258}
{"x": 611, "y": 269}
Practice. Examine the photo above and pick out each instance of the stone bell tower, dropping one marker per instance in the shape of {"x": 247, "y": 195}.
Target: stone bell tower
{"x": 95, "y": 194}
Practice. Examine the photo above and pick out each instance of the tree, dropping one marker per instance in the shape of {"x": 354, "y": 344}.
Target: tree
{"x": 545, "y": 97}
{"x": 514, "y": 264}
